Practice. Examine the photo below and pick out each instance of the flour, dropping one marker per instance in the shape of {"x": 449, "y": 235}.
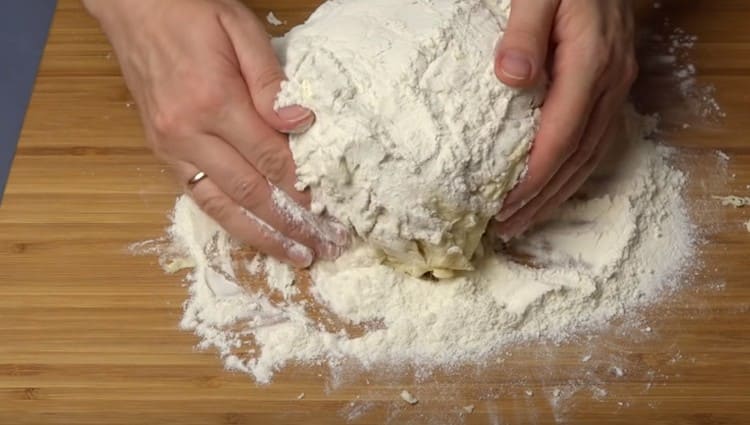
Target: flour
{"x": 620, "y": 244}
{"x": 416, "y": 141}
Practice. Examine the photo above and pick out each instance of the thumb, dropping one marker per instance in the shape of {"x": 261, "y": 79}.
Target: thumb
{"x": 523, "y": 49}
{"x": 262, "y": 72}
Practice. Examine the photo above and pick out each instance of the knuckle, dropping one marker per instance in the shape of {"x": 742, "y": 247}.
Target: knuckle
{"x": 631, "y": 71}
{"x": 224, "y": 8}
{"x": 571, "y": 144}
{"x": 273, "y": 163}
{"x": 167, "y": 122}
{"x": 518, "y": 36}
{"x": 585, "y": 151}
{"x": 208, "y": 99}
{"x": 246, "y": 190}
{"x": 268, "y": 78}
{"x": 175, "y": 118}
{"x": 178, "y": 115}
{"x": 599, "y": 54}
{"x": 295, "y": 228}
{"x": 601, "y": 62}
{"x": 215, "y": 206}
{"x": 164, "y": 147}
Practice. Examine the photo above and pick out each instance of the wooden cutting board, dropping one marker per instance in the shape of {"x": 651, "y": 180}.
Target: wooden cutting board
{"x": 88, "y": 332}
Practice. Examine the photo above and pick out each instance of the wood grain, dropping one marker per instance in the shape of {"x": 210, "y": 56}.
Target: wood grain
{"x": 88, "y": 333}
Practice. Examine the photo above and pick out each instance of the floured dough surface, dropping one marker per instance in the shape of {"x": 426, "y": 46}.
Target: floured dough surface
{"x": 416, "y": 142}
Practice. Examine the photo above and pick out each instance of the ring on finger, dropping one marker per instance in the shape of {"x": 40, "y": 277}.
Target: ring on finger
{"x": 200, "y": 175}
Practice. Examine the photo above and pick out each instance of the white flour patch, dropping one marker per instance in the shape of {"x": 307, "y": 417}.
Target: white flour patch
{"x": 619, "y": 245}
{"x": 622, "y": 244}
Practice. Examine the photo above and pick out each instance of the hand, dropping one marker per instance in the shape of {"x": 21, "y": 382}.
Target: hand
{"x": 205, "y": 79}
{"x": 593, "y": 65}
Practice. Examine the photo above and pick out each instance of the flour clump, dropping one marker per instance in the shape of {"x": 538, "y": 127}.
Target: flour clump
{"x": 416, "y": 141}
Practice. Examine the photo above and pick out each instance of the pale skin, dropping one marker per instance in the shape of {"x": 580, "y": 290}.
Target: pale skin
{"x": 205, "y": 78}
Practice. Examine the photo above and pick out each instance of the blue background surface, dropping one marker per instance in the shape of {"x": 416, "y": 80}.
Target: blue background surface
{"x": 24, "y": 25}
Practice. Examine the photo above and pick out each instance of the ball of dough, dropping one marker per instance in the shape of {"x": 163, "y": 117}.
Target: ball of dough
{"x": 416, "y": 141}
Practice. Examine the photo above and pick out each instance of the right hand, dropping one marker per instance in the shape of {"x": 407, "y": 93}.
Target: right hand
{"x": 588, "y": 48}
{"x": 205, "y": 79}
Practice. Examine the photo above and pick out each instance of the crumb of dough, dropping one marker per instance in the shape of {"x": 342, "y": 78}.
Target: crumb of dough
{"x": 469, "y": 409}
{"x": 301, "y": 396}
{"x": 273, "y": 20}
{"x": 723, "y": 155}
{"x": 409, "y": 398}
{"x": 733, "y": 201}
{"x": 177, "y": 264}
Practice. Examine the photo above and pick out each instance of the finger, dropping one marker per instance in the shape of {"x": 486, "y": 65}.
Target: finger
{"x": 517, "y": 224}
{"x": 250, "y": 190}
{"x": 579, "y": 178}
{"x": 564, "y": 118}
{"x": 262, "y": 71}
{"x": 268, "y": 152}
{"x": 264, "y": 148}
{"x": 523, "y": 49}
{"x": 245, "y": 227}
{"x": 605, "y": 111}
{"x": 521, "y": 222}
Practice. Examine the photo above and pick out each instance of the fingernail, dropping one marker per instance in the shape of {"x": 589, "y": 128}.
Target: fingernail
{"x": 504, "y": 234}
{"x": 508, "y": 211}
{"x": 504, "y": 237}
{"x": 300, "y": 118}
{"x": 300, "y": 255}
{"x": 507, "y": 234}
{"x": 329, "y": 251}
{"x": 515, "y": 65}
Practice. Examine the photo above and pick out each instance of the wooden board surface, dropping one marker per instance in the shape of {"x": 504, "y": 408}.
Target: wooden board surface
{"x": 88, "y": 333}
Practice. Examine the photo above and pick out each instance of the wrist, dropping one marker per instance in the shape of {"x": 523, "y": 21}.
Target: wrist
{"x": 97, "y": 8}
{"x": 108, "y": 12}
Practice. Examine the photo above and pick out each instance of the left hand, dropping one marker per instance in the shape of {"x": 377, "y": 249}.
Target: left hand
{"x": 591, "y": 68}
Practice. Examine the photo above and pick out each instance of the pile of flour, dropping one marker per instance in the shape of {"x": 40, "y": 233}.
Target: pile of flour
{"x": 416, "y": 141}
{"x": 618, "y": 245}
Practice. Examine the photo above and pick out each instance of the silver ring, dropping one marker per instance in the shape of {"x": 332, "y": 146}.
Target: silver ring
{"x": 200, "y": 175}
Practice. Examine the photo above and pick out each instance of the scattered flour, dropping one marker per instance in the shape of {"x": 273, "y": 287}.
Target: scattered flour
{"x": 620, "y": 244}
{"x": 617, "y": 246}
{"x": 279, "y": 276}
{"x": 701, "y": 96}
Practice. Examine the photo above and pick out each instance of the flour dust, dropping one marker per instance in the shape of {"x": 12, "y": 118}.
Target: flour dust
{"x": 620, "y": 244}
{"x": 623, "y": 244}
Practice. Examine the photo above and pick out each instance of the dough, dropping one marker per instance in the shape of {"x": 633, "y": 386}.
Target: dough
{"x": 416, "y": 142}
